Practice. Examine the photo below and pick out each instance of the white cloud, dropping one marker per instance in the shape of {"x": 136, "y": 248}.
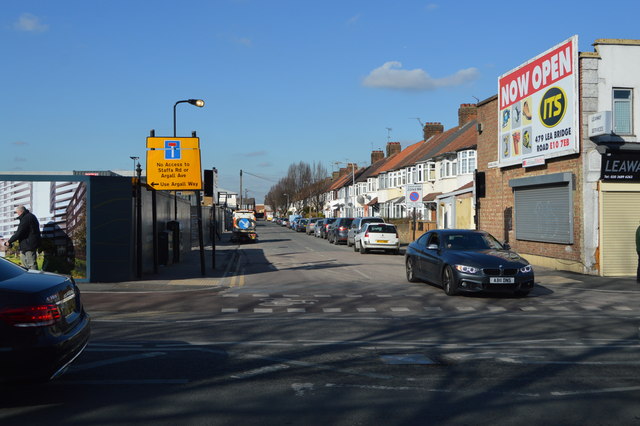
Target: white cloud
{"x": 392, "y": 76}
{"x": 244, "y": 41}
{"x": 353, "y": 19}
{"x": 30, "y": 23}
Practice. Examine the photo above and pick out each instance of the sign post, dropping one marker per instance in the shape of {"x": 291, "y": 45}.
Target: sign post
{"x": 413, "y": 198}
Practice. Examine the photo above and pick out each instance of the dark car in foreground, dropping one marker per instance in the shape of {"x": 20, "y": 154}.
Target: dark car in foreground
{"x": 43, "y": 325}
{"x": 461, "y": 260}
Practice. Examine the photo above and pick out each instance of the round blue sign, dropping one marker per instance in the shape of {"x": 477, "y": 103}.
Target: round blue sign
{"x": 414, "y": 196}
{"x": 244, "y": 223}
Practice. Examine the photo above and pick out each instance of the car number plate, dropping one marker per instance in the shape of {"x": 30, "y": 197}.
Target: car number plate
{"x": 382, "y": 241}
{"x": 501, "y": 280}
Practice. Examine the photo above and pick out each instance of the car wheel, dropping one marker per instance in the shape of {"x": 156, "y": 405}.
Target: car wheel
{"x": 355, "y": 246}
{"x": 348, "y": 243}
{"x": 449, "y": 282}
{"x": 363, "y": 249}
{"x": 410, "y": 268}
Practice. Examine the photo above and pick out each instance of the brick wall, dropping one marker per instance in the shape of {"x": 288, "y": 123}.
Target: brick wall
{"x": 500, "y": 198}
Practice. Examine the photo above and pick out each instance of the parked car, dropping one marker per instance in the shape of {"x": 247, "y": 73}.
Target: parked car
{"x": 317, "y": 230}
{"x": 301, "y": 225}
{"x": 311, "y": 224}
{"x": 327, "y": 223}
{"x": 43, "y": 324}
{"x": 377, "y": 236}
{"x": 357, "y": 225}
{"x": 467, "y": 261}
{"x": 339, "y": 229}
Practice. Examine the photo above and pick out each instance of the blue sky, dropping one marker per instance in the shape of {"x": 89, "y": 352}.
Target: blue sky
{"x": 284, "y": 81}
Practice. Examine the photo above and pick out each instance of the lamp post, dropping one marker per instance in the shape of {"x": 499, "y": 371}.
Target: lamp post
{"x": 197, "y": 102}
{"x": 134, "y": 164}
{"x": 287, "y": 207}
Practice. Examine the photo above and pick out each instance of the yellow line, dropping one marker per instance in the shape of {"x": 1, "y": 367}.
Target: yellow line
{"x": 241, "y": 278}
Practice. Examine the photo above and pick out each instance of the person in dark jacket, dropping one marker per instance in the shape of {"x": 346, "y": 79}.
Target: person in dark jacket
{"x": 638, "y": 251}
{"x": 28, "y": 236}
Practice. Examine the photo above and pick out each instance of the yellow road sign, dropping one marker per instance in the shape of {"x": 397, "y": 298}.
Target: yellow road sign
{"x": 173, "y": 164}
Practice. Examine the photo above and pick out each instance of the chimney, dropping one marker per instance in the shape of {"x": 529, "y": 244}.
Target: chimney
{"x": 467, "y": 113}
{"x": 393, "y": 148}
{"x": 376, "y": 156}
{"x": 431, "y": 129}
{"x": 335, "y": 175}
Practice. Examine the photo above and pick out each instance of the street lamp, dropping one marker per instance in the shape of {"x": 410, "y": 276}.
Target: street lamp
{"x": 134, "y": 164}
{"x": 287, "y": 207}
{"x": 197, "y": 102}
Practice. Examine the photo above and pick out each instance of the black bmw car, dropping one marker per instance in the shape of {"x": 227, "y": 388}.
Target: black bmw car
{"x": 461, "y": 260}
{"x": 43, "y": 325}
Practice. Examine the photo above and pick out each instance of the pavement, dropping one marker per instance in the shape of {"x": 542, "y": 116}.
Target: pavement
{"x": 187, "y": 275}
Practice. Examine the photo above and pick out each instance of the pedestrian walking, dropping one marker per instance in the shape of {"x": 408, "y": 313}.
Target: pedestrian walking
{"x": 28, "y": 237}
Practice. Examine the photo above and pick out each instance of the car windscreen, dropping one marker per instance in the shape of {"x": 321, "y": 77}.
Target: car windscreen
{"x": 469, "y": 241}
{"x": 382, "y": 228}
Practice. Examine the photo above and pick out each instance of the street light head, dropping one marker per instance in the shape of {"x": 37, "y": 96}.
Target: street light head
{"x": 197, "y": 102}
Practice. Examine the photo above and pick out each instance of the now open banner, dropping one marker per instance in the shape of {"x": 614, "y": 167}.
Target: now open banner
{"x": 538, "y": 107}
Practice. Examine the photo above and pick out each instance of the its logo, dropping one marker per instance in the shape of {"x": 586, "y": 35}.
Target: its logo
{"x": 553, "y": 106}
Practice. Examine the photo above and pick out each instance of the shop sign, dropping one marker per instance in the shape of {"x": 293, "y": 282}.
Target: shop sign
{"x": 620, "y": 167}
{"x": 538, "y": 107}
{"x": 600, "y": 124}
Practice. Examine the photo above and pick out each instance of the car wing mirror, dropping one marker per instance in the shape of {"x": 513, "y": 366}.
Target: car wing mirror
{"x": 506, "y": 246}
{"x": 432, "y": 247}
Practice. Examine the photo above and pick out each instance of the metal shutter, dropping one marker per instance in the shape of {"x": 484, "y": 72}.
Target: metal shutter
{"x": 544, "y": 213}
{"x": 620, "y": 218}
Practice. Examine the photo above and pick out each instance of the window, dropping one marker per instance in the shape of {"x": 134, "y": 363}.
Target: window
{"x": 622, "y": 111}
{"x": 431, "y": 171}
{"x": 420, "y": 170}
{"x": 404, "y": 177}
{"x": 467, "y": 161}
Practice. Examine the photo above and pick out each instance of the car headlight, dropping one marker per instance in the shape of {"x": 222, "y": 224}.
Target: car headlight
{"x": 467, "y": 269}
{"x": 526, "y": 269}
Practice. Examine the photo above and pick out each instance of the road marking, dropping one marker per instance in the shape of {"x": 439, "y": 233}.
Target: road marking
{"x": 332, "y": 310}
{"x": 262, "y": 310}
{"x": 363, "y": 274}
{"x": 528, "y": 308}
{"x": 260, "y": 371}
{"x": 321, "y": 295}
{"x": 622, "y": 308}
{"x": 296, "y": 310}
{"x": 301, "y": 388}
{"x": 229, "y": 310}
{"x": 497, "y": 309}
{"x": 231, "y": 295}
{"x": 400, "y": 309}
{"x": 366, "y": 309}
{"x": 465, "y": 308}
{"x": 596, "y": 391}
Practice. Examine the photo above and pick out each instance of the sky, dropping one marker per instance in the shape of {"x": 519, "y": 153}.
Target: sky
{"x": 84, "y": 81}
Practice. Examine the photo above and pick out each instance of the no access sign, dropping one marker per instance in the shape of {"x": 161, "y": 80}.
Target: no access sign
{"x": 413, "y": 197}
{"x": 173, "y": 164}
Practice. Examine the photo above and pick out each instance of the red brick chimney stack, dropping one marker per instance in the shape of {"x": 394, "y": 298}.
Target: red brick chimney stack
{"x": 431, "y": 129}
{"x": 376, "y": 156}
{"x": 393, "y": 148}
{"x": 467, "y": 113}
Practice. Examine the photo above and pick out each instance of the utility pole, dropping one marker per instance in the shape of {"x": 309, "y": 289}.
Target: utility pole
{"x": 240, "y": 205}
